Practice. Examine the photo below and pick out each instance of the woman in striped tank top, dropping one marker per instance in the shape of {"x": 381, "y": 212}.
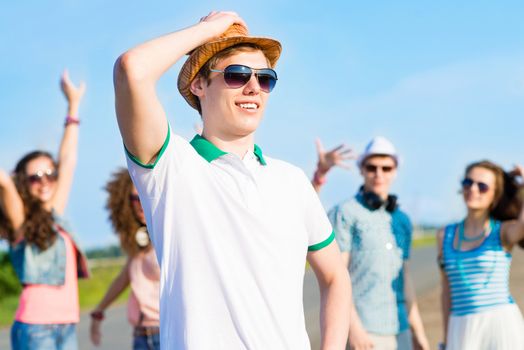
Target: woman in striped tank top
{"x": 475, "y": 257}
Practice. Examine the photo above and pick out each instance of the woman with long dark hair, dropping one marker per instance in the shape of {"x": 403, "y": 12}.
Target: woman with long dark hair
{"x": 475, "y": 257}
{"x": 44, "y": 254}
{"x": 141, "y": 270}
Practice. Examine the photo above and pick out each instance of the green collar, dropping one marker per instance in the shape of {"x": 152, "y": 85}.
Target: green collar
{"x": 210, "y": 152}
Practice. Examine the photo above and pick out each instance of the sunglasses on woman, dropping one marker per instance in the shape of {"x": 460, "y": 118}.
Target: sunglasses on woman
{"x": 238, "y": 75}
{"x": 467, "y": 183}
{"x": 37, "y": 178}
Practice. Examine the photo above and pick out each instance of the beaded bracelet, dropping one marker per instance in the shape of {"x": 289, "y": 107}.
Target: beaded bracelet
{"x": 97, "y": 315}
{"x": 71, "y": 120}
{"x": 318, "y": 178}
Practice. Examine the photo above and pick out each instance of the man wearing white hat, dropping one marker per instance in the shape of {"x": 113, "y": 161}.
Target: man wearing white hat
{"x": 374, "y": 236}
{"x": 231, "y": 227}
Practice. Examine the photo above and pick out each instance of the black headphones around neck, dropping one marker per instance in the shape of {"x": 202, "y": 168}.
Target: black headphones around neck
{"x": 374, "y": 202}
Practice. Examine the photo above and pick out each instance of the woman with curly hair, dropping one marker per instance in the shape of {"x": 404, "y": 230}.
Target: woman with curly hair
{"x": 475, "y": 257}
{"x": 45, "y": 257}
{"x": 141, "y": 270}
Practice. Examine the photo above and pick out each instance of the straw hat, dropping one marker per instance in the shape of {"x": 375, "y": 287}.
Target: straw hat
{"x": 236, "y": 34}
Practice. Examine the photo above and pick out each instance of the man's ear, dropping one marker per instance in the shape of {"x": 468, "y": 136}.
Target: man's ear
{"x": 197, "y": 85}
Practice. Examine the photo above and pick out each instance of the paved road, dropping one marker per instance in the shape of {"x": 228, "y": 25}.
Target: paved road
{"x": 117, "y": 332}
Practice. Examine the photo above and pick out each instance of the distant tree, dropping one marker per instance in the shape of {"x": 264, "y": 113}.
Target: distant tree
{"x": 112, "y": 251}
{"x": 9, "y": 284}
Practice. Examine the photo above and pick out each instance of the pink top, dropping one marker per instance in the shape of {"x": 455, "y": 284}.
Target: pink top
{"x": 45, "y": 304}
{"x": 144, "y": 300}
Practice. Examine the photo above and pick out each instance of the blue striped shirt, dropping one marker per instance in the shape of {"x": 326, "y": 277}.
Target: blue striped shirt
{"x": 478, "y": 278}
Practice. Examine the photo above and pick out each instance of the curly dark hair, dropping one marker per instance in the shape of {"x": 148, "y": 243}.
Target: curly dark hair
{"x": 121, "y": 213}
{"x": 38, "y": 225}
{"x": 507, "y": 202}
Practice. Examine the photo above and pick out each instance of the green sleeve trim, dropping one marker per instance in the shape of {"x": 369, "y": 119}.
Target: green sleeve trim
{"x": 322, "y": 244}
{"x": 160, "y": 153}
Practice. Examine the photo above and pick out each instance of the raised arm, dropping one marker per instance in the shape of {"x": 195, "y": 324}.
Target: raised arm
{"x": 141, "y": 117}
{"x": 335, "y": 294}
{"x": 67, "y": 154}
{"x": 339, "y": 156}
{"x": 12, "y": 207}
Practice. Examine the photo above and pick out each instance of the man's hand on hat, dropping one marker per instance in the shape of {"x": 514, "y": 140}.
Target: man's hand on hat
{"x": 219, "y": 21}
{"x": 339, "y": 156}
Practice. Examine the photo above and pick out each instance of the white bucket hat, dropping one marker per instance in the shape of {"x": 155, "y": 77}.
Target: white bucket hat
{"x": 378, "y": 146}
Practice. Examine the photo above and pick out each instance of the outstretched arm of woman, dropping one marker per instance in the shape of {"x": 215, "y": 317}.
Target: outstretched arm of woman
{"x": 338, "y": 156}
{"x": 11, "y": 204}
{"x": 119, "y": 284}
{"x": 67, "y": 154}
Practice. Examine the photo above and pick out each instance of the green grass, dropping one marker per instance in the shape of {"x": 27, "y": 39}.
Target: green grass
{"x": 424, "y": 241}
{"x": 90, "y": 291}
{"x": 8, "y": 307}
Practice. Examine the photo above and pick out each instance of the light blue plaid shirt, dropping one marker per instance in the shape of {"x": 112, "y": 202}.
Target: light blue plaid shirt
{"x": 378, "y": 243}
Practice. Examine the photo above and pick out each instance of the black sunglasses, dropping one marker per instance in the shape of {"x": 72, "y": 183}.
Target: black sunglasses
{"x": 50, "y": 175}
{"x": 238, "y": 75}
{"x": 370, "y": 168}
{"x": 467, "y": 183}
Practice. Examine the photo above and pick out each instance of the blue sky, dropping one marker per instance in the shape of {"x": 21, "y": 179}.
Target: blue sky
{"x": 443, "y": 80}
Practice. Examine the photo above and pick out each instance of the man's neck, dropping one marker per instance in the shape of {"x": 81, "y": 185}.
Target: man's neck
{"x": 238, "y": 145}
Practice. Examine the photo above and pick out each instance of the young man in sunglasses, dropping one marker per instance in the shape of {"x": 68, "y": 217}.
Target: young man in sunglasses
{"x": 374, "y": 236}
{"x": 231, "y": 227}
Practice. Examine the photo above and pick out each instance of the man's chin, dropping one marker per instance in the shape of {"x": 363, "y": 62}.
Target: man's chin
{"x": 380, "y": 191}
{"x": 246, "y": 130}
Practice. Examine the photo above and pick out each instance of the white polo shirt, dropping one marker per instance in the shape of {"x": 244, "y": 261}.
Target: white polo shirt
{"x": 231, "y": 236}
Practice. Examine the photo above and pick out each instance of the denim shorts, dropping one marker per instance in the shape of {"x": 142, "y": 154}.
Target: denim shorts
{"x": 146, "y": 342}
{"x": 25, "y": 336}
